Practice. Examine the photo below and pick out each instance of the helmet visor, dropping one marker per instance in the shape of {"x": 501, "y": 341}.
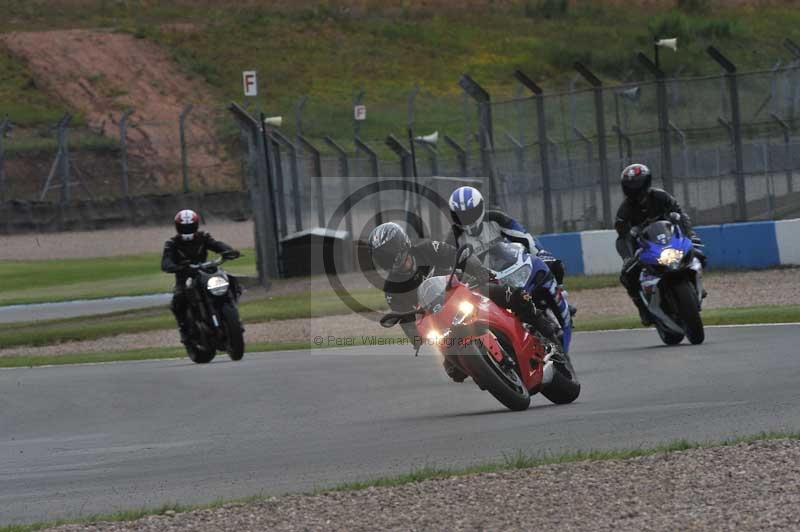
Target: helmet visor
{"x": 468, "y": 217}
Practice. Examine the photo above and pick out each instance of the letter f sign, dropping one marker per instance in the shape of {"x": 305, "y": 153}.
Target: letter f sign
{"x": 250, "y": 83}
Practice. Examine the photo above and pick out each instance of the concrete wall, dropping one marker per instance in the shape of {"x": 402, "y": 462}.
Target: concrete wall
{"x": 740, "y": 245}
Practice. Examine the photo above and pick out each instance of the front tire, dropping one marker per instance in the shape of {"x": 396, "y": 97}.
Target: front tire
{"x": 505, "y": 385}
{"x": 689, "y": 312}
{"x": 668, "y": 337}
{"x": 233, "y": 331}
{"x": 199, "y": 349}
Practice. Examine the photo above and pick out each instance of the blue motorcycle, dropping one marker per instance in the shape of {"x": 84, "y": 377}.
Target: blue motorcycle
{"x": 671, "y": 281}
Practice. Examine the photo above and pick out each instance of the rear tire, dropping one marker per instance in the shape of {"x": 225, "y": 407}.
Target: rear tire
{"x": 484, "y": 370}
{"x": 689, "y": 312}
{"x": 233, "y": 331}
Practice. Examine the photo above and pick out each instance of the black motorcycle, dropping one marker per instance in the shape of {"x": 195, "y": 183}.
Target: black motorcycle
{"x": 212, "y": 313}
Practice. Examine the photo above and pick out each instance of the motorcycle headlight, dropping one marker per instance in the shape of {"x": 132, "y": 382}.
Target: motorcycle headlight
{"x": 465, "y": 311}
{"x": 671, "y": 258}
{"x": 217, "y": 285}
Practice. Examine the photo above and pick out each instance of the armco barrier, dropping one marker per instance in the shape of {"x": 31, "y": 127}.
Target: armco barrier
{"x": 730, "y": 246}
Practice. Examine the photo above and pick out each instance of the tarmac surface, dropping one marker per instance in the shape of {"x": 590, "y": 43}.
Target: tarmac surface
{"x": 86, "y": 439}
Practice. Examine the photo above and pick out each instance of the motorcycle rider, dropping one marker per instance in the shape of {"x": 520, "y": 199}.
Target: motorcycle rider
{"x": 189, "y": 246}
{"x": 407, "y": 265}
{"x": 641, "y": 203}
{"x": 483, "y": 229}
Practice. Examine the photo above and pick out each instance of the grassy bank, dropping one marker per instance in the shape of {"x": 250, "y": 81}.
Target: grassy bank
{"x": 520, "y": 460}
{"x": 330, "y": 50}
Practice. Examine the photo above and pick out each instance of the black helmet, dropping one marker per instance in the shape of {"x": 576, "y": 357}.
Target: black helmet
{"x": 388, "y": 246}
{"x": 636, "y": 180}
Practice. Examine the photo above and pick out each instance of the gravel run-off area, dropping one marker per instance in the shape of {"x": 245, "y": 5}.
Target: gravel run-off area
{"x": 746, "y": 487}
{"x": 728, "y": 290}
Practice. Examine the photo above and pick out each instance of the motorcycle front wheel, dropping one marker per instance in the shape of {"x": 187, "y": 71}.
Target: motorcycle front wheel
{"x": 504, "y": 384}
{"x": 689, "y": 311}
{"x": 233, "y": 331}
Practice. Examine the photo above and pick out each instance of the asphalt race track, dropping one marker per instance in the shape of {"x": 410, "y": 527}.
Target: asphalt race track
{"x": 78, "y": 440}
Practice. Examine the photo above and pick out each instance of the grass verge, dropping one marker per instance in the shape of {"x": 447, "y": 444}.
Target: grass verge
{"x": 715, "y": 317}
{"x": 519, "y": 460}
{"x": 154, "y": 319}
{"x": 93, "y": 278}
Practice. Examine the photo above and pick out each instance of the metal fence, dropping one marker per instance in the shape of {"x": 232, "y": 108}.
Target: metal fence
{"x": 725, "y": 145}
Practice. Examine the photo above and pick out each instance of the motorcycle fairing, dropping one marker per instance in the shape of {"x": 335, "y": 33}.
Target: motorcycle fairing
{"x": 489, "y": 321}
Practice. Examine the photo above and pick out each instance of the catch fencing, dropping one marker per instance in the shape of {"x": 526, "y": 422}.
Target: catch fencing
{"x": 724, "y": 145}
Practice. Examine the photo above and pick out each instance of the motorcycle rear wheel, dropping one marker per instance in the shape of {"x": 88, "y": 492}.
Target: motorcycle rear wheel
{"x": 564, "y": 388}
{"x": 504, "y": 384}
{"x": 233, "y": 331}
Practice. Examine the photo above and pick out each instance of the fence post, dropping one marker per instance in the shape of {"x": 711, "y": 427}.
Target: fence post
{"x": 485, "y": 132}
{"x": 597, "y": 87}
{"x": 184, "y": 155}
{"x": 685, "y": 153}
{"x": 408, "y": 200}
{"x": 5, "y": 127}
{"x": 519, "y": 151}
{"x": 663, "y": 121}
{"x": 544, "y": 151}
{"x": 292, "y": 149}
{"x": 736, "y": 123}
{"x": 277, "y": 181}
{"x": 344, "y": 170}
{"x": 63, "y": 163}
{"x": 317, "y": 162}
{"x": 461, "y": 154}
{"x": 299, "y": 109}
{"x": 787, "y": 153}
{"x": 376, "y": 173}
{"x": 123, "y": 144}
{"x": 267, "y": 250}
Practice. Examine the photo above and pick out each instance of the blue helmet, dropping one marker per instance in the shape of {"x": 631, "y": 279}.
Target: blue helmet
{"x": 467, "y": 209}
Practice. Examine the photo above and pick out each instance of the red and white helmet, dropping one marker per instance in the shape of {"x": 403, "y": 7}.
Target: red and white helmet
{"x": 186, "y": 223}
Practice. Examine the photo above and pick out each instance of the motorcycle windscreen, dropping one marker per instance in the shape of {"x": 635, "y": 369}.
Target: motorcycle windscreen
{"x": 431, "y": 293}
{"x": 506, "y": 259}
{"x": 502, "y": 256}
{"x": 659, "y": 233}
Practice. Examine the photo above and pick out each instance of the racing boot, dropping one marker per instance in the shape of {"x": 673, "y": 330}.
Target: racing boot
{"x": 539, "y": 320}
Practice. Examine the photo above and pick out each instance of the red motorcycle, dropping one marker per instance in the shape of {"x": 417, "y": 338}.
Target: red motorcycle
{"x": 502, "y": 355}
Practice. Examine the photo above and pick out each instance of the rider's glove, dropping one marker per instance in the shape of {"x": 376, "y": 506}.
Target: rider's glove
{"x": 484, "y": 275}
{"x": 634, "y": 232}
{"x": 230, "y": 255}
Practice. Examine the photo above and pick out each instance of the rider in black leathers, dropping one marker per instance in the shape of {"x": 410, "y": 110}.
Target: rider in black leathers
{"x": 643, "y": 203}
{"x": 188, "y": 247}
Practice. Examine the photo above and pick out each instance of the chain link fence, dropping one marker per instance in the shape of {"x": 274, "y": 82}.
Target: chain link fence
{"x": 724, "y": 145}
